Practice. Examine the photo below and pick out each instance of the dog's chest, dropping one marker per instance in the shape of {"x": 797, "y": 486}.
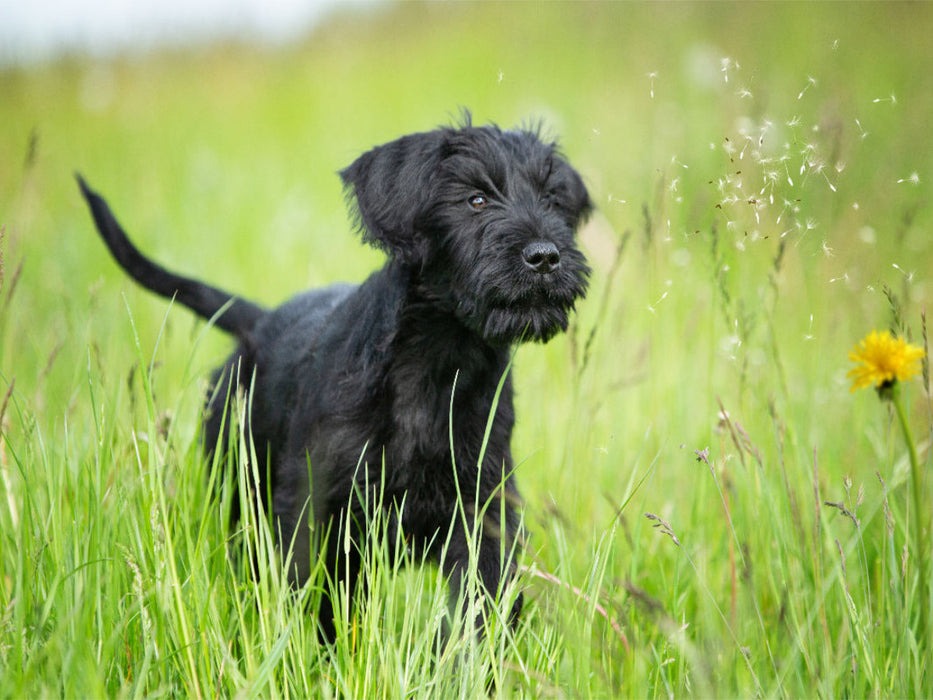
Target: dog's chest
{"x": 439, "y": 419}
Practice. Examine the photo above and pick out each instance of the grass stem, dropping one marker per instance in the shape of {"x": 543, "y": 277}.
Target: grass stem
{"x": 919, "y": 533}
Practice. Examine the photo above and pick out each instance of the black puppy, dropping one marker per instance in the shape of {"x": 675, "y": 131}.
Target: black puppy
{"x": 353, "y": 387}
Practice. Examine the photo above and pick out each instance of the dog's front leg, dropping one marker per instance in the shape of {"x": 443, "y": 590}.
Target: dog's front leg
{"x": 495, "y": 567}
{"x": 343, "y": 563}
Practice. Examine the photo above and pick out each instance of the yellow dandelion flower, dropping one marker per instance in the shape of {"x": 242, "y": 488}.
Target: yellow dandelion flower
{"x": 882, "y": 360}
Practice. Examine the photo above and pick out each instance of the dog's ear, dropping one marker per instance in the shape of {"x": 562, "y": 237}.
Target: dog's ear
{"x": 393, "y": 185}
{"x": 582, "y": 204}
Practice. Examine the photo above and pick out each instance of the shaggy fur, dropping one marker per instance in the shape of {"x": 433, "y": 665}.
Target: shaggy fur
{"x": 353, "y": 384}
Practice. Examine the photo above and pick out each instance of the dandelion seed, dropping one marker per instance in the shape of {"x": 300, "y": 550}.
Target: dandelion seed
{"x": 881, "y": 360}
{"x": 501, "y": 76}
{"x": 727, "y": 64}
{"x": 862, "y": 132}
{"x": 891, "y": 98}
{"x": 810, "y": 83}
{"x": 827, "y": 251}
{"x": 651, "y": 77}
{"x": 913, "y": 179}
{"x": 809, "y": 333}
{"x": 597, "y": 132}
{"x": 743, "y": 93}
{"x": 908, "y": 275}
{"x": 675, "y": 161}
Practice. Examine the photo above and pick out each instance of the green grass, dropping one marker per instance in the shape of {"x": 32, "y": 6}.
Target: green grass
{"x": 762, "y": 174}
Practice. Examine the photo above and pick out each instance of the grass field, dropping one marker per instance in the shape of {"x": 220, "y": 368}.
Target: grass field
{"x": 712, "y": 512}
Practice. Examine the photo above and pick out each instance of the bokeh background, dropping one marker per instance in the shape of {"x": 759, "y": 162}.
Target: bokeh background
{"x": 762, "y": 179}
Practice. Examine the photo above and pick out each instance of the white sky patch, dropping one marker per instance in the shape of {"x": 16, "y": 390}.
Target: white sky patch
{"x": 39, "y": 29}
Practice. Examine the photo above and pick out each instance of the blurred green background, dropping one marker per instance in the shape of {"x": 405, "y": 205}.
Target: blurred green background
{"x": 222, "y": 160}
{"x": 762, "y": 176}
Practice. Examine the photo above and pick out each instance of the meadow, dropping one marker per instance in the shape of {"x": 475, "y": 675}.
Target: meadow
{"x": 712, "y": 512}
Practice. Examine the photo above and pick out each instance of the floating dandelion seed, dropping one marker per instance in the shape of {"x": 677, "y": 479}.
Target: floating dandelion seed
{"x": 727, "y": 65}
{"x": 809, "y": 334}
{"x": 913, "y": 179}
{"x": 651, "y": 77}
{"x": 908, "y": 275}
{"x": 881, "y": 360}
{"x": 811, "y": 81}
{"x": 675, "y": 161}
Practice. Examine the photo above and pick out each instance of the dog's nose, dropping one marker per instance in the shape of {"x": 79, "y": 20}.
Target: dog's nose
{"x": 542, "y": 257}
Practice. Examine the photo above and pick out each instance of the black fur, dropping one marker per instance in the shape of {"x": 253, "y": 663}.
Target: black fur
{"x": 357, "y": 381}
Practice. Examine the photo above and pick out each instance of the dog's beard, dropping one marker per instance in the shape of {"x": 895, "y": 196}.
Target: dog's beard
{"x": 537, "y": 313}
{"x": 504, "y": 326}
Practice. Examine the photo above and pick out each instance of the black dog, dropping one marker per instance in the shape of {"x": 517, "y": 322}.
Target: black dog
{"x": 354, "y": 386}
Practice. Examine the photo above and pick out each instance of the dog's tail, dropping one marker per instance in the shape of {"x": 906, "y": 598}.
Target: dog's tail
{"x": 238, "y": 316}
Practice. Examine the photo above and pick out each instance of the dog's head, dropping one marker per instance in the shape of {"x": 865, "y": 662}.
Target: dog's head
{"x": 487, "y": 220}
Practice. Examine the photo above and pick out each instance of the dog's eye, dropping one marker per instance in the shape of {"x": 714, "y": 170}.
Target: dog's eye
{"x": 478, "y": 201}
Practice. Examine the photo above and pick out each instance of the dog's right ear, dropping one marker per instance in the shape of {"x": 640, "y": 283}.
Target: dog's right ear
{"x": 392, "y": 185}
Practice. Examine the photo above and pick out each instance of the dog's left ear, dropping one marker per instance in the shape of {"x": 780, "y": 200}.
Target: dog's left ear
{"x": 582, "y": 205}
{"x": 392, "y": 185}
